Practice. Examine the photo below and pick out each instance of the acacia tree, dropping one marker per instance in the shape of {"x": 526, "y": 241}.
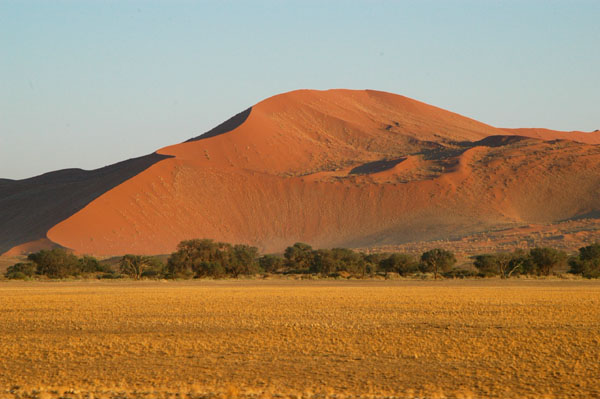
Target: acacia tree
{"x": 21, "y": 270}
{"x": 89, "y": 264}
{"x": 134, "y": 265}
{"x": 349, "y": 261}
{"x": 270, "y": 263}
{"x": 242, "y": 260}
{"x": 55, "y": 263}
{"x": 208, "y": 258}
{"x": 299, "y": 256}
{"x": 323, "y": 261}
{"x": 399, "y": 263}
{"x": 199, "y": 257}
{"x": 504, "y": 264}
{"x": 547, "y": 259}
{"x": 437, "y": 260}
{"x": 587, "y": 263}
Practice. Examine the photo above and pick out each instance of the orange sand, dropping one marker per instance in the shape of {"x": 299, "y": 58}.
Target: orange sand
{"x": 285, "y": 175}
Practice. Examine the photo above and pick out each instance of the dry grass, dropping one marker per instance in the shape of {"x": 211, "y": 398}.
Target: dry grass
{"x": 456, "y": 339}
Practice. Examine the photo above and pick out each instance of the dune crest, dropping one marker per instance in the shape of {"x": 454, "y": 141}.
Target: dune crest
{"x": 341, "y": 168}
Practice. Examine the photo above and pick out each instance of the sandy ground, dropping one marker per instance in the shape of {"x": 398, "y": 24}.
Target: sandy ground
{"x": 409, "y": 339}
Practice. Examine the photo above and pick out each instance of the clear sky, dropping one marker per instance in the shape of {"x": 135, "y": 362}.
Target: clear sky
{"x": 89, "y": 83}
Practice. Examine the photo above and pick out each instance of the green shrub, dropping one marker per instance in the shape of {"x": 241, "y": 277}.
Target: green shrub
{"x": 134, "y": 266}
{"x": 89, "y": 264}
{"x": 329, "y": 261}
{"x": 109, "y": 276}
{"x": 503, "y": 264}
{"x": 350, "y": 261}
{"x": 587, "y": 262}
{"x": 400, "y": 263}
{"x": 242, "y": 260}
{"x": 487, "y": 264}
{"x": 20, "y": 271}
{"x": 179, "y": 266}
{"x": 323, "y": 261}
{"x": 546, "y": 260}
{"x": 207, "y": 258}
{"x": 210, "y": 269}
{"x": 55, "y": 263}
{"x": 17, "y": 276}
{"x": 373, "y": 261}
{"x": 151, "y": 274}
{"x": 299, "y": 256}
{"x": 460, "y": 273}
{"x": 271, "y": 263}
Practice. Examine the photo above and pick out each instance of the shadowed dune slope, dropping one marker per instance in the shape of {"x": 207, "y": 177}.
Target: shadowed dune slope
{"x": 225, "y": 127}
{"x": 546, "y": 134}
{"x": 342, "y": 167}
{"x": 30, "y": 207}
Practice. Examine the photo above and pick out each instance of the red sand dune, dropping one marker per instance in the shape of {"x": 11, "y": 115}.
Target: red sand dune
{"x": 342, "y": 167}
{"x": 30, "y": 247}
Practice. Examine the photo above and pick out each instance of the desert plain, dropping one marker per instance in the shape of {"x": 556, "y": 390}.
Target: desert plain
{"x": 523, "y": 338}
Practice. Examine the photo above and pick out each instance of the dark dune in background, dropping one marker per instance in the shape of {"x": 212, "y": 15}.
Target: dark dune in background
{"x": 30, "y": 207}
{"x": 331, "y": 168}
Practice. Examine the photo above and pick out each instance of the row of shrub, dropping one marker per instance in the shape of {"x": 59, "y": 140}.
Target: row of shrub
{"x": 540, "y": 261}
{"x": 55, "y": 263}
{"x": 206, "y": 258}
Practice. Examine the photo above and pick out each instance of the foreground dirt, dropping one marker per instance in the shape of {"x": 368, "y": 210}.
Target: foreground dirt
{"x": 528, "y": 339}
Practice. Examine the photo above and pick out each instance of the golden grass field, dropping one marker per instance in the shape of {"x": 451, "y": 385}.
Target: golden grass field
{"x": 406, "y": 339}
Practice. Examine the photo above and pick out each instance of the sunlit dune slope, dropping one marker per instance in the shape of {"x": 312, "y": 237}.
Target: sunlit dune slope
{"x": 305, "y": 131}
{"x": 30, "y": 207}
{"x": 341, "y": 167}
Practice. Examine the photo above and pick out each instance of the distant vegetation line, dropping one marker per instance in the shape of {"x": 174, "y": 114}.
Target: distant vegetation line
{"x": 205, "y": 258}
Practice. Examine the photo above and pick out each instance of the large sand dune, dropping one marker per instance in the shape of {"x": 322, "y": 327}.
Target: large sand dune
{"x": 337, "y": 167}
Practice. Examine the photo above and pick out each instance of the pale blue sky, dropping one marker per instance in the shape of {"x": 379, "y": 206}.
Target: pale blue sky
{"x": 89, "y": 83}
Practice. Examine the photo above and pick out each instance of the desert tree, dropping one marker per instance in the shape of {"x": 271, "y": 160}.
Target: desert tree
{"x": 243, "y": 260}
{"x": 502, "y": 263}
{"x": 271, "y": 263}
{"x": 89, "y": 264}
{"x": 437, "y": 260}
{"x": 400, "y": 263}
{"x": 545, "y": 260}
{"x": 134, "y": 265}
{"x": 298, "y": 256}
{"x": 323, "y": 262}
{"x": 20, "y": 271}
{"x": 199, "y": 257}
{"x": 328, "y": 261}
{"x": 55, "y": 263}
{"x": 587, "y": 262}
{"x": 350, "y": 261}
{"x": 374, "y": 260}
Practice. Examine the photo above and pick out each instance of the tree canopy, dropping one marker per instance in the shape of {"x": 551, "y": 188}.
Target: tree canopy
{"x": 436, "y": 260}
